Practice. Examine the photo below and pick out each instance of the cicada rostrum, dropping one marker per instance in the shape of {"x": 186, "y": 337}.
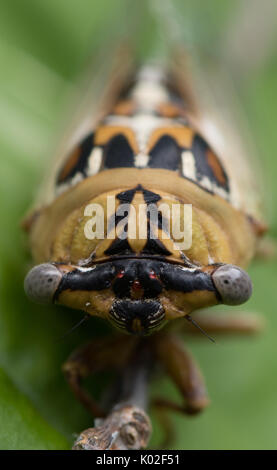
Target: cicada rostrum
{"x": 148, "y": 221}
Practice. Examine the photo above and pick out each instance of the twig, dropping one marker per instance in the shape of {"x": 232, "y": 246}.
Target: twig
{"x": 127, "y": 426}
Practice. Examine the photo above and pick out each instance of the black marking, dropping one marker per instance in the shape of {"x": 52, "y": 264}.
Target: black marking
{"x": 98, "y": 278}
{"x": 122, "y": 285}
{"x": 163, "y": 223}
{"x": 136, "y": 270}
{"x": 203, "y": 168}
{"x": 86, "y": 147}
{"x": 118, "y": 153}
{"x": 154, "y": 246}
{"x": 127, "y": 196}
{"x": 150, "y": 197}
{"x": 165, "y": 154}
{"x": 167, "y": 276}
{"x": 116, "y": 218}
{"x": 119, "y": 247}
{"x": 150, "y": 313}
{"x": 156, "y": 217}
{"x": 152, "y": 286}
{"x": 178, "y": 279}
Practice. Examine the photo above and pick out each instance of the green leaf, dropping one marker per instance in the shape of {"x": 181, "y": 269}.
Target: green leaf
{"x": 22, "y": 426}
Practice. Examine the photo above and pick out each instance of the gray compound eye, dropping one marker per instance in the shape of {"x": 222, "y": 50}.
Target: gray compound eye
{"x": 42, "y": 282}
{"x": 233, "y": 284}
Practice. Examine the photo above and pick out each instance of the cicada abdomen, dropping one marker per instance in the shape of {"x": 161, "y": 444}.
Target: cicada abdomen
{"x": 148, "y": 220}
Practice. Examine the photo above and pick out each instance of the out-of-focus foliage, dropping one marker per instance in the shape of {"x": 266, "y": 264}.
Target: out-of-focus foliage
{"x": 43, "y": 47}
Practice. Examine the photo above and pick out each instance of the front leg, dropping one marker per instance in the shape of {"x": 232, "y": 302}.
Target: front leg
{"x": 185, "y": 373}
{"x": 106, "y": 353}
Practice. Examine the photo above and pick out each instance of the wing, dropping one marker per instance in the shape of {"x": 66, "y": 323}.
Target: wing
{"x": 92, "y": 99}
{"x": 214, "y": 110}
{"x": 208, "y": 93}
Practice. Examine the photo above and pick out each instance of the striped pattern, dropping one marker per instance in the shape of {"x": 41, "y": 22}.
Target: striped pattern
{"x": 147, "y": 129}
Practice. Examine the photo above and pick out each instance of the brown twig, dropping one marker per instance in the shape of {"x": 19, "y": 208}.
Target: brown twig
{"x": 127, "y": 426}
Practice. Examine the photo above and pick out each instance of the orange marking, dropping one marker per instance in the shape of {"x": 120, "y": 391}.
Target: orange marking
{"x": 124, "y": 108}
{"x": 105, "y": 133}
{"x": 169, "y": 110}
{"x": 69, "y": 164}
{"x": 216, "y": 167}
{"x": 183, "y": 135}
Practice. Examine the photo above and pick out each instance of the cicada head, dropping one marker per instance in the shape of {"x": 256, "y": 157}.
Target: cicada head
{"x": 131, "y": 266}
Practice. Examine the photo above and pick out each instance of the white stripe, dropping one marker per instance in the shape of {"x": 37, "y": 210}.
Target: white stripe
{"x": 141, "y": 160}
{"x": 188, "y": 165}
{"x": 85, "y": 270}
{"x": 94, "y": 161}
{"x": 149, "y": 95}
{"x": 206, "y": 183}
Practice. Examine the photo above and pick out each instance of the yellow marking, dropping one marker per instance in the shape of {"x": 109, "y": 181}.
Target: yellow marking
{"x": 96, "y": 303}
{"x": 51, "y": 221}
{"x": 178, "y": 304}
{"x": 183, "y": 136}
{"x": 105, "y": 133}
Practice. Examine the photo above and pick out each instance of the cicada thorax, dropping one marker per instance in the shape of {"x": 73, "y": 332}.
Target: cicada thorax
{"x": 132, "y": 177}
{"x": 140, "y": 222}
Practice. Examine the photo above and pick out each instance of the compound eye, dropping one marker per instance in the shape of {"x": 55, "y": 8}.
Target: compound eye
{"x": 233, "y": 284}
{"x": 42, "y": 282}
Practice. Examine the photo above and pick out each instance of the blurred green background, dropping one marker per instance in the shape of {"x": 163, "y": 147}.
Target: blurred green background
{"x": 43, "y": 48}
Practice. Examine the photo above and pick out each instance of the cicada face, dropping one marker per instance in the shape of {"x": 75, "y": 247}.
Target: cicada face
{"x": 144, "y": 228}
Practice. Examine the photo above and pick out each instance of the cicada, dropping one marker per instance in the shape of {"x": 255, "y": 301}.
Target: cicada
{"x": 152, "y": 215}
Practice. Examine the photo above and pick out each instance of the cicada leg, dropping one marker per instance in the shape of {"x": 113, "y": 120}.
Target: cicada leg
{"x": 94, "y": 357}
{"x": 185, "y": 373}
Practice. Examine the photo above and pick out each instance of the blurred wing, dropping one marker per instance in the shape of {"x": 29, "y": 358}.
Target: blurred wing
{"x": 94, "y": 97}
{"x": 214, "y": 109}
{"x": 206, "y": 89}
